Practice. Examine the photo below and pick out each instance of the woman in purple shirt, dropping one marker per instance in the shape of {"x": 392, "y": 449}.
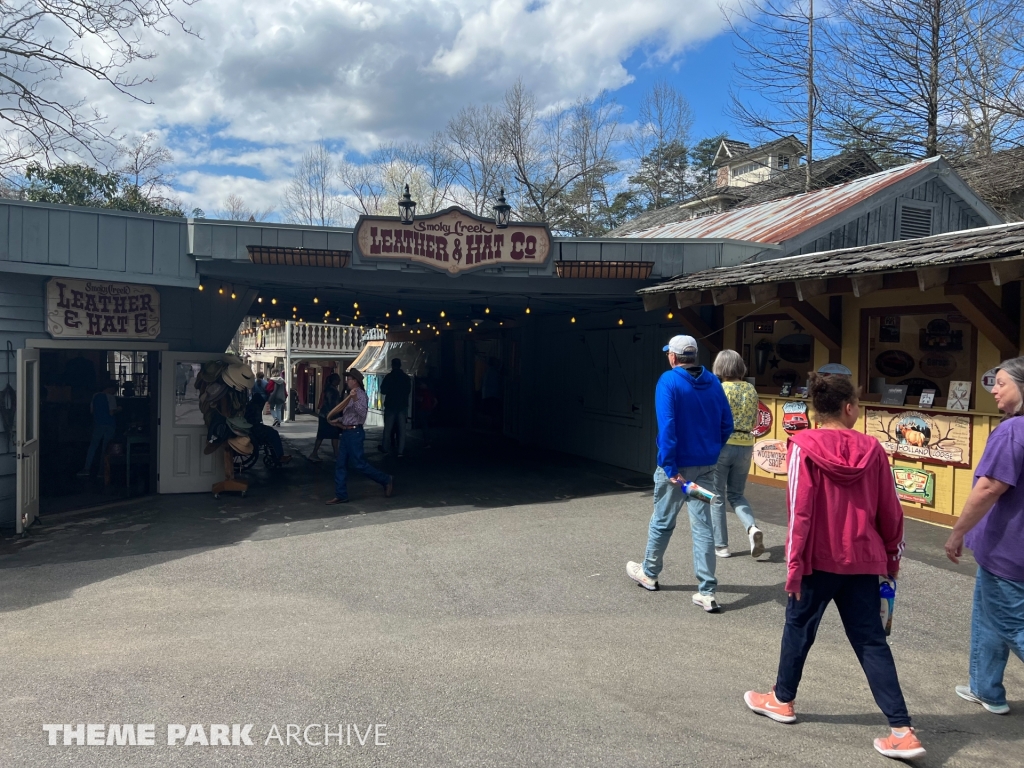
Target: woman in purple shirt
{"x": 992, "y": 524}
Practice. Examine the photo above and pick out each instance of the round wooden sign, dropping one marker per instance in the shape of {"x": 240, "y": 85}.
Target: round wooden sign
{"x": 938, "y": 365}
{"x": 770, "y": 455}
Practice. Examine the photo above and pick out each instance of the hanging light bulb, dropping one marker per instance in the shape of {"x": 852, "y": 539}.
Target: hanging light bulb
{"x": 233, "y": 294}
{"x": 295, "y": 309}
{"x": 449, "y": 324}
{"x": 621, "y": 321}
{"x": 442, "y": 311}
{"x": 264, "y": 314}
{"x": 355, "y": 305}
{"x": 387, "y": 314}
{"x": 527, "y": 306}
{"x": 670, "y": 315}
{"x": 200, "y": 286}
{"x": 487, "y": 310}
{"x": 327, "y": 313}
{"x": 572, "y": 320}
{"x": 260, "y": 299}
{"x": 316, "y": 299}
{"x": 417, "y": 319}
{"x": 273, "y": 301}
{"x": 221, "y": 290}
{"x": 399, "y": 313}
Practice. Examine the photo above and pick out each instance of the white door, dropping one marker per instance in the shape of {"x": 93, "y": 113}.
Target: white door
{"x": 184, "y": 468}
{"x": 27, "y": 426}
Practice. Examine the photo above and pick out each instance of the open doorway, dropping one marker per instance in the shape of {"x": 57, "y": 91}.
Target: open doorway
{"x": 97, "y": 427}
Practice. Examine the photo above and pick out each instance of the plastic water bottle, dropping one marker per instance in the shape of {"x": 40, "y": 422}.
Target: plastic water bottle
{"x": 887, "y": 593}
{"x": 695, "y": 491}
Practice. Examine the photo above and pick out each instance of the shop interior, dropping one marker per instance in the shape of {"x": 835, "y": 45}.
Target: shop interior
{"x": 126, "y": 465}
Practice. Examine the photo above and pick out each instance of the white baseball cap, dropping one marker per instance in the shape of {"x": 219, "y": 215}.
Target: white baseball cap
{"x": 682, "y": 346}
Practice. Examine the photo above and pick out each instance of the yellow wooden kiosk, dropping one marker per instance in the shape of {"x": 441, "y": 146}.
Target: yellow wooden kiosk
{"x": 920, "y": 323}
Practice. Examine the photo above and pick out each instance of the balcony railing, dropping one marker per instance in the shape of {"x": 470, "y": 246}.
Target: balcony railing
{"x": 307, "y": 339}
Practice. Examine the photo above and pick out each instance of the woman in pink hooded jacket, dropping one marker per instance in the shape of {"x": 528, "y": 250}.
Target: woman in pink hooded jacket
{"x": 845, "y": 530}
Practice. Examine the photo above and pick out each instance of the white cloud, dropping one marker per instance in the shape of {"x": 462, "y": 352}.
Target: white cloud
{"x": 270, "y": 77}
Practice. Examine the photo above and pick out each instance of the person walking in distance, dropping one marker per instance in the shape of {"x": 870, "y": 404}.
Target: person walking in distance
{"x": 694, "y": 421}
{"x": 734, "y": 460}
{"x": 277, "y": 396}
{"x": 845, "y": 530}
{"x": 325, "y": 431}
{"x": 992, "y": 524}
{"x": 396, "y": 388}
{"x": 103, "y": 407}
{"x": 349, "y": 416}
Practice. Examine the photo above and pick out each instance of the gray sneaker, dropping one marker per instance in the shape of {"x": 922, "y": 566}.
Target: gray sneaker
{"x": 756, "y": 541}
{"x": 964, "y": 692}
{"x": 635, "y": 571}
{"x": 707, "y": 602}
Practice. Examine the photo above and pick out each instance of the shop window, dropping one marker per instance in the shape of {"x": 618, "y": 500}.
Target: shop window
{"x": 131, "y": 372}
{"x": 777, "y": 351}
{"x": 925, "y": 350}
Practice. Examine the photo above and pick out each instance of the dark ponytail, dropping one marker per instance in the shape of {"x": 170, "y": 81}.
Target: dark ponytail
{"x": 830, "y": 393}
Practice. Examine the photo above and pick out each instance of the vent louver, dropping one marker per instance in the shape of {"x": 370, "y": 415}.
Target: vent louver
{"x": 915, "y": 222}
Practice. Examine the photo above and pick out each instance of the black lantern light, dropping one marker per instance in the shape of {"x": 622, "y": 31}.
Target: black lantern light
{"x": 407, "y": 207}
{"x": 502, "y": 211}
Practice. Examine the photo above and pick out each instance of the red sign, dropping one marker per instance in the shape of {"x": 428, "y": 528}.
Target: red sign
{"x": 764, "y": 421}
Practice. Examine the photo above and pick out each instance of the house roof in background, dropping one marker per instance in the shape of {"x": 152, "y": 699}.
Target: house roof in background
{"x": 998, "y": 179}
{"x": 824, "y": 173}
{"x": 780, "y": 220}
{"x": 768, "y": 148}
{"x": 1002, "y": 241}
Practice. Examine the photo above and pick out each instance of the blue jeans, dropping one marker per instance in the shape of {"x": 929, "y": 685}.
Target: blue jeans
{"x": 102, "y": 434}
{"x": 730, "y": 480}
{"x": 668, "y": 500}
{"x": 277, "y": 410}
{"x": 997, "y": 627}
{"x": 350, "y": 451}
{"x": 856, "y": 598}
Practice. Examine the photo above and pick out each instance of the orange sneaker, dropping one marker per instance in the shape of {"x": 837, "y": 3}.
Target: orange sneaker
{"x": 766, "y": 704}
{"x": 902, "y": 747}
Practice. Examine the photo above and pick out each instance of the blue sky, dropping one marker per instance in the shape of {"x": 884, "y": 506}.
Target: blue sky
{"x": 240, "y": 102}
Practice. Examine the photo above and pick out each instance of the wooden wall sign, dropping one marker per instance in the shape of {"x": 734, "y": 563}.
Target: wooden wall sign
{"x": 935, "y": 438}
{"x": 770, "y": 455}
{"x": 93, "y": 309}
{"x": 914, "y": 484}
{"x": 453, "y": 241}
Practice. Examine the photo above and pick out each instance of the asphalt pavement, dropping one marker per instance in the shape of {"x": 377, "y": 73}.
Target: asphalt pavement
{"x": 480, "y": 617}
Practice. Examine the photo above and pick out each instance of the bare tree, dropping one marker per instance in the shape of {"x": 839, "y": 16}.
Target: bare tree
{"x": 474, "y": 139}
{"x": 45, "y": 41}
{"x": 364, "y": 186}
{"x": 778, "y": 91}
{"x": 311, "y": 196}
{"x": 143, "y": 166}
{"x": 895, "y": 77}
{"x": 236, "y": 209}
{"x": 659, "y": 141}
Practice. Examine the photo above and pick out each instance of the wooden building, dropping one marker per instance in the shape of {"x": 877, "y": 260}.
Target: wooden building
{"x": 922, "y": 323}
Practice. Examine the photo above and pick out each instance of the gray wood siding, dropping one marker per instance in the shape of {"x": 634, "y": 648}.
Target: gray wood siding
{"x": 113, "y": 244}
{"x": 21, "y": 317}
{"x": 228, "y": 239}
{"x": 878, "y": 225}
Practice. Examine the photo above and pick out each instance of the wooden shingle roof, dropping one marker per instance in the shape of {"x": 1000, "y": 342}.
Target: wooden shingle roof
{"x": 1000, "y": 242}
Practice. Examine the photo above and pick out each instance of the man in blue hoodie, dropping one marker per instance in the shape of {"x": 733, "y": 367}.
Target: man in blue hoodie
{"x": 694, "y": 422}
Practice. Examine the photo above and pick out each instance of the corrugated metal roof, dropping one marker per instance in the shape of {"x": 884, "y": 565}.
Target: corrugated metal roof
{"x": 1003, "y": 241}
{"x": 780, "y": 220}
